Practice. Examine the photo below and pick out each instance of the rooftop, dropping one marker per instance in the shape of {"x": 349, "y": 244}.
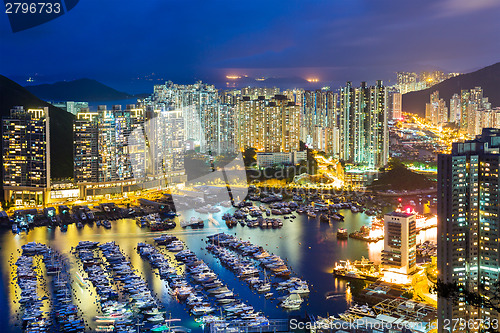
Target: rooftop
{"x": 400, "y": 214}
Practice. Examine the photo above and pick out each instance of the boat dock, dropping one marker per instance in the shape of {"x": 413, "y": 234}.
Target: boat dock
{"x": 359, "y": 269}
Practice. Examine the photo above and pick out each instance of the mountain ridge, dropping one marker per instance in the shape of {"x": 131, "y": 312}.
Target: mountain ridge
{"x": 81, "y": 90}
{"x": 487, "y": 78}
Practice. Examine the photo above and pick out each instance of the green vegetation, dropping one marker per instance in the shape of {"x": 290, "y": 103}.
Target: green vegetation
{"x": 408, "y": 294}
{"x": 357, "y": 286}
{"x": 431, "y": 273}
{"x": 250, "y": 157}
{"x": 487, "y": 297}
{"x": 398, "y": 177}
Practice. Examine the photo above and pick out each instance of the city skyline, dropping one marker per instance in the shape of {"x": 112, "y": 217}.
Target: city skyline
{"x": 238, "y": 166}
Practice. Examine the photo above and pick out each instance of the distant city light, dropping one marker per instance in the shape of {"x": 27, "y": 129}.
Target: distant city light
{"x": 313, "y": 80}
{"x": 233, "y": 77}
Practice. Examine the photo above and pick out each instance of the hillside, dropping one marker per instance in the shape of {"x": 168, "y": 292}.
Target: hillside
{"x": 488, "y": 78}
{"x": 61, "y": 125}
{"x": 85, "y": 90}
{"x": 398, "y": 178}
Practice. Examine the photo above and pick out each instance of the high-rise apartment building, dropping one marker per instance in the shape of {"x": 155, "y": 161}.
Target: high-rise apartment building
{"x": 268, "y": 125}
{"x": 363, "y": 124}
{"x": 469, "y": 225}
{"x": 464, "y": 105}
{"x": 319, "y": 120}
{"x": 26, "y": 156}
{"x": 85, "y": 147}
{"x": 72, "y": 107}
{"x": 395, "y": 105}
{"x": 410, "y": 81}
{"x": 400, "y": 237}
{"x": 101, "y": 149}
{"x": 406, "y": 81}
{"x": 219, "y": 128}
{"x": 436, "y": 111}
{"x": 255, "y": 92}
{"x": 164, "y": 137}
{"x": 455, "y": 109}
{"x": 200, "y": 105}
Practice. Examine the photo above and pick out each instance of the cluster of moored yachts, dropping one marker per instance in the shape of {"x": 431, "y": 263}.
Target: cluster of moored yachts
{"x": 64, "y": 316}
{"x": 243, "y": 259}
{"x": 112, "y": 275}
{"x": 124, "y": 298}
{"x": 200, "y": 288}
{"x": 252, "y": 216}
{"x": 155, "y": 223}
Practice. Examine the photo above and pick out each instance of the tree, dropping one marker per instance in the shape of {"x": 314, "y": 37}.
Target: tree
{"x": 312, "y": 164}
{"x": 458, "y": 292}
{"x": 485, "y": 298}
{"x": 249, "y": 156}
{"x": 407, "y": 294}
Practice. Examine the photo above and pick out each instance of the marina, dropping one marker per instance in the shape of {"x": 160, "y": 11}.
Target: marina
{"x": 104, "y": 264}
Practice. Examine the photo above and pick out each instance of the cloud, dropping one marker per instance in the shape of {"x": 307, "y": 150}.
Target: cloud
{"x": 462, "y": 7}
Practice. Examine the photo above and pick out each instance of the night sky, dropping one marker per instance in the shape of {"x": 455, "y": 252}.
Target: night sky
{"x": 115, "y": 41}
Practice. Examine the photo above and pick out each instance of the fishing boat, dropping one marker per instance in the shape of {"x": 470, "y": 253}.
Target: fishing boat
{"x": 292, "y": 302}
{"x": 342, "y": 233}
{"x": 337, "y": 217}
{"x": 153, "y": 312}
{"x": 202, "y": 310}
{"x": 156, "y": 318}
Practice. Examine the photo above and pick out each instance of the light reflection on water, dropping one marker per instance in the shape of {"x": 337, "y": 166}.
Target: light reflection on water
{"x": 309, "y": 246}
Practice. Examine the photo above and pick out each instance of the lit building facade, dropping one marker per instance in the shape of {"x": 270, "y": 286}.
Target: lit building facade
{"x": 319, "y": 120}
{"x": 26, "y": 156}
{"x": 268, "y": 125}
{"x": 85, "y": 147}
{"x": 164, "y": 137}
{"x": 208, "y": 116}
{"x": 101, "y": 149}
{"x": 400, "y": 236}
{"x": 469, "y": 224}
{"x": 72, "y": 107}
{"x": 455, "y": 113}
{"x": 219, "y": 129}
{"x": 397, "y": 105}
{"x": 436, "y": 112}
{"x": 272, "y": 159}
{"x": 364, "y": 137}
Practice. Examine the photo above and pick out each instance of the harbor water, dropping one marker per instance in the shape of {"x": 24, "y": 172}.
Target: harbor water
{"x": 310, "y": 248}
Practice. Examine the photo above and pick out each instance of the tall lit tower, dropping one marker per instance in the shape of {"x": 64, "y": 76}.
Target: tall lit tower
{"x": 469, "y": 224}
{"x": 26, "y": 156}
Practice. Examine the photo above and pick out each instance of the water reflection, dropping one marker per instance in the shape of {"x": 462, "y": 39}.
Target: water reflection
{"x": 310, "y": 248}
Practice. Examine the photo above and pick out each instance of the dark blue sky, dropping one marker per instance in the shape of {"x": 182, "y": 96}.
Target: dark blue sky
{"x": 116, "y": 40}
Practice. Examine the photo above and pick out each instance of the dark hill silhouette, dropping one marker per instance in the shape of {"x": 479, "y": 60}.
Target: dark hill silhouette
{"x": 488, "y": 78}
{"x": 61, "y": 125}
{"x": 399, "y": 178}
{"x": 85, "y": 90}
